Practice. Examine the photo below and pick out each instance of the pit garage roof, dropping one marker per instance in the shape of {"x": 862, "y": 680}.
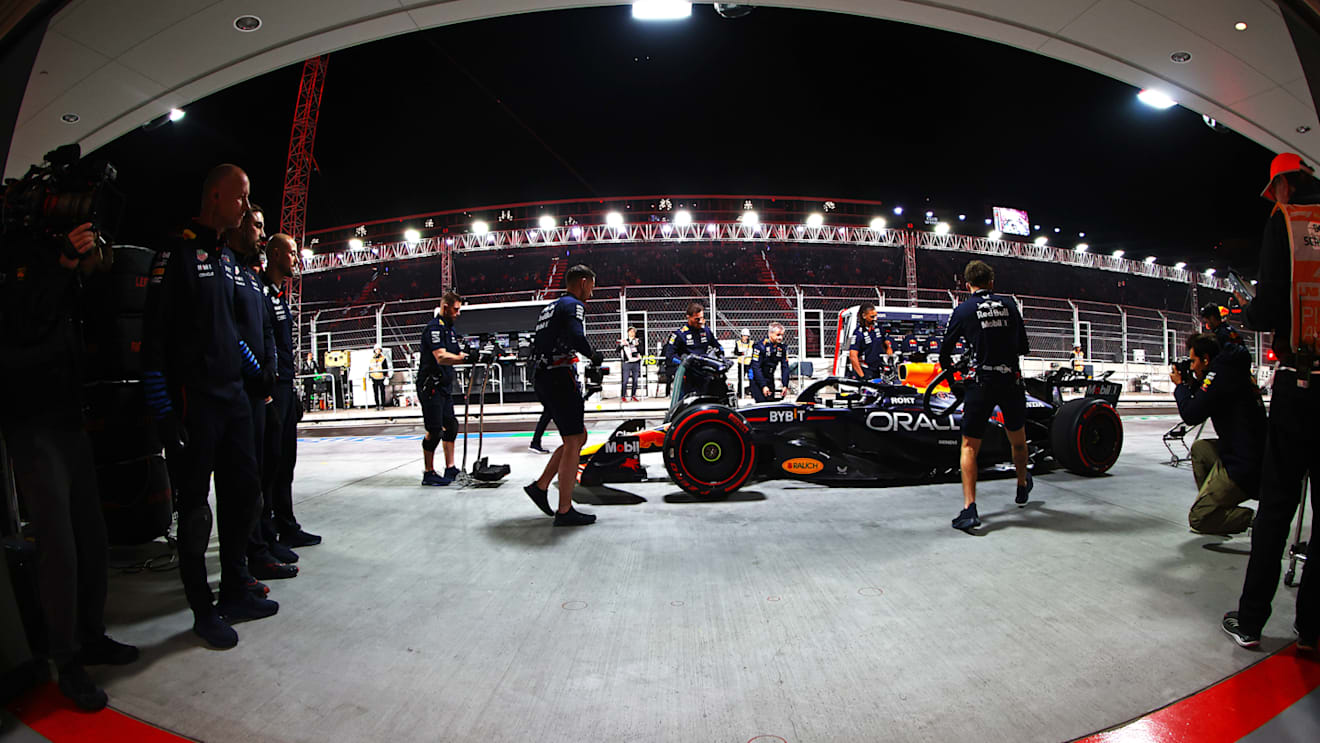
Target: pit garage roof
{"x": 118, "y": 64}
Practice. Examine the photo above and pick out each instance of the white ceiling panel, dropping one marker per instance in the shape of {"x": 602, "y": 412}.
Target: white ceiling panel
{"x": 102, "y": 58}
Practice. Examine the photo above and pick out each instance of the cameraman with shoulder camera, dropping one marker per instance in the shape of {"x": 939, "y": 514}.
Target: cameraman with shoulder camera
{"x": 196, "y": 366}
{"x": 1287, "y": 304}
{"x": 435, "y": 380}
{"x": 40, "y": 281}
{"x": 1217, "y": 385}
{"x": 560, "y": 337}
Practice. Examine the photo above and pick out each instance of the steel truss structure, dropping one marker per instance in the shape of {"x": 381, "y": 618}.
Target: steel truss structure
{"x": 666, "y": 232}
{"x": 298, "y": 172}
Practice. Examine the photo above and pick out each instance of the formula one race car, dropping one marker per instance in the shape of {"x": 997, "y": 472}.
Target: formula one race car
{"x": 852, "y": 431}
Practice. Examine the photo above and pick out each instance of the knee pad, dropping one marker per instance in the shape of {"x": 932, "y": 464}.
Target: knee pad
{"x": 195, "y": 530}
{"x": 429, "y": 444}
{"x": 451, "y": 429}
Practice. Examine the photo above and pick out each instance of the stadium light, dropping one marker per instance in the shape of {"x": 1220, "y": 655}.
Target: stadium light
{"x": 1118, "y": 254}
{"x": 942, "y": 228}
{"x": 682, "y": 218}
{"x": 962, "y": 217}
{"x": 750, "y": 218}
{"x": 930, "y": 213}
{"x": 898, "y": 211}
{"x": 1081, "y": 234}
{"x": 1209, "y": 272}
{"x": 878, "y": 223}
{"x": 713, "y": 228}
{"x": 355, "y": 243}
{"x": 480, "y": 228}
{"x": 661, "y": 10}
{"x": 1180, "y": 265}
{"x": 614, "y": 219}
{"x": 577, "y": 232}
{"x": 1156, "y": 99}
{"x": 815, "y": 220}
{"x": 995, "y": 235}
{"x": 1056, "y": 230}
{"x": 307, "y": 254}
{"x": 176, "y": 114}
{"x": 988, "y": 221}
{"x": 1081, "y": 247}
{"x": 546, "y": 222}
{"x": 1040, "y": 240}
{"x": 1150, "y": 259}
{"x": 411, "y": 236}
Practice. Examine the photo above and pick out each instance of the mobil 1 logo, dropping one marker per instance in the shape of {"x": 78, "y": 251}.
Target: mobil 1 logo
{"x": 624, "y": 445}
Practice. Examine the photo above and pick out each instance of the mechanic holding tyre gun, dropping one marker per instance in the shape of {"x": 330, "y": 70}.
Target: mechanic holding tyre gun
{"x": 49, "y": 243}
{"x": 997, "y": 338}
{"x": 560, "y": 337}
{"x": 435, "y": 380}
{"x": 1287, "y": 304}
{"x": 1215, "y": 383}
{"x": 767, "y": 355}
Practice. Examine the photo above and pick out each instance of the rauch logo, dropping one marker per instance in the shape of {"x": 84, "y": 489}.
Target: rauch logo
{"x": 803, "y": 466}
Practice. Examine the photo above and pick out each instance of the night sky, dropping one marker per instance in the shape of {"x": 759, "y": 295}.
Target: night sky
{"x": 583, "y": 103}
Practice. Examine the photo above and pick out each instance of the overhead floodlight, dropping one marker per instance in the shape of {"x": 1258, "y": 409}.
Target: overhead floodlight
{"x": 995, "y": 235}
{"x": 614, "y": 219}
{"x": 930, "y": 213}
{"x": 682, "y": 218}
{"x": 898, "y": 211}
{"x": 1056, "y": 229}
{"x": 1156, "y": 99}
{"x": 1150, "y": 259}
{"x": 1209, "y": 272}
{"x": 1081, "y": 247}
{"x": 661, "y": 10}
{"x": 666, "y": 228}
{"x": 962, "y": 217}
{"x": 577, "y": 232}
{"x": 411, "y": 236}
{"x": 1240, "y": 26}
{"x": 878, "y": 223}
{"x": 307, "y": 254}
{"x": 712, "y": 228}
{"x": 1118, "y": 254}
{"x": 942, "y": 228}
{"x": 1180, "y": 265}
{"x": 355, "y": 244}
{"x": 1040, "y": 240}
{"x": 815, "y": 220}
{"x": 989, "y": 221}
{"x": 750, "y": 218}
{"x": 1081, "y": 234}
{"x": 546, "y": 222}
{"x": 480, "y": 228}
{"x": 176, "y": 114}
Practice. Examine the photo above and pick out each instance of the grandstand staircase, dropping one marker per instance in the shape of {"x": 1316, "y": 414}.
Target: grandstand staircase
{"x": 554, "y": 281}
{"x": 365, "y": 295}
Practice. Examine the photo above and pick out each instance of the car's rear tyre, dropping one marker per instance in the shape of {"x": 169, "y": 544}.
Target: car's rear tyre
{"x": 1086, "y": 436}
{"x": 709, "y": 451}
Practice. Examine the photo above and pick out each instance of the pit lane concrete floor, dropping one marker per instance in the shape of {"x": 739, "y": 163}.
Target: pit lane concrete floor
{"x": 790, "y": 612}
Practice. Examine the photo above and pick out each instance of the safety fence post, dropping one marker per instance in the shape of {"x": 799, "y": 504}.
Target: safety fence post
{"x": 1077, "y": 324}
{"x": 801, "y": 324}
{"x": 1123, "y": 315}
{"x": 380, "y": 312}
{"x": 623, "y": 314}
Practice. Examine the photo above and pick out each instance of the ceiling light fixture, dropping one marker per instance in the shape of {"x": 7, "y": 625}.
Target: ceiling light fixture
{"x": 1081, "y": 247}
{"x": 1181, "y": 57}
{"x": 1150, "y": 259}
{"x": 995, "y": 235}
{"x": 69, "y": 118}
{"x": 1156, "y": 99}
{"x": 247, "y": 23}
{"x": 1240, "y": 26}
{"x": 661, "y": 10}
{"x": 176, "y": 114}
{"x": 1180, "y": 265}
{"x": 1118, "y": 254}
{"x": 878, "y": 223}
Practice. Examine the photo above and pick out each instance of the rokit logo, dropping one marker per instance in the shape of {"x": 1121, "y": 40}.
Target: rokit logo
{"x": 885, "y": 421}
{"x": 796, "y": 415}
{"x": 623, "y": 446}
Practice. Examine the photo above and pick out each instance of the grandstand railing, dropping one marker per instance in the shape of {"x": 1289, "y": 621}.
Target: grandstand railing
{"x": 668, "y": 232}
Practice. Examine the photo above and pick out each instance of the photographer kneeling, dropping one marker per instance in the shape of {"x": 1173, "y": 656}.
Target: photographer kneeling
{"x": 1227, "y": 470}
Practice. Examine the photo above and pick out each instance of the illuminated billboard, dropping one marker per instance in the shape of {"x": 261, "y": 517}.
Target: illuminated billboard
{"x": 1012, "y": 221}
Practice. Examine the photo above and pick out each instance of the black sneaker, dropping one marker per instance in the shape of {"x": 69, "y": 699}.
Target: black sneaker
{"x": 272, "y": 570}
{"x": 540, "y": 498}
{"x": 967, "y": 518}
{"x": 299, "y": 538}
{"x": 1233, "y": 627}
{"x": 245, "y": 607}
{"x": 107, "y": 652}
{"x": 1024, "y": 491}
{"x": 282, "y": 553}
{"x": 210, "y": 627}
{"x": 257, "y": 588}
{"x": 451, "y": 474}
{"x": 80, "y": 689}
{"x": 573, "y": 517}
{"x": 538, "y": 449}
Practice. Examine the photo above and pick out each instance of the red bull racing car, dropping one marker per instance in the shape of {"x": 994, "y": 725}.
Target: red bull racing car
{"x": 849, "y": 431}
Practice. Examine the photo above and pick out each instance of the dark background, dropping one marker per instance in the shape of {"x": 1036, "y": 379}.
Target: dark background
{"x": 583, "y": 103}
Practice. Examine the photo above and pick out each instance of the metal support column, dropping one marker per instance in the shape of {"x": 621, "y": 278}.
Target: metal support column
{"x": 623, "y": 315}
{"x": 1077, "y": 324}
{"x": 802, "y": 325}
{"x": 380, "y": 336}
{"x": 1123, "y": 316}
{"x": 910, "y": 268}
{"x": 712, "y": 320}
{"x": 315, "y": 352}
{"x": 1164, "y": 337}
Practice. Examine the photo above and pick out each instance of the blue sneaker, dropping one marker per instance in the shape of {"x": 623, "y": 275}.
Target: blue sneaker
{"x": 1023, "y": 491}
{"x": 431, "y": 477}
{"x": 448, "y": 477}
{"x": 967, "y": 518}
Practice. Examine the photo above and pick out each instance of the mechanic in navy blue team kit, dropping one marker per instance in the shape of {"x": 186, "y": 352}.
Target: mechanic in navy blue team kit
{"x": 692, "y": 337}
{"x": 281, "y": 528}
{"x": 1287, "y": 305}
{"x": 768, "y": 356}
{"x": 194, "y": 366}
{"x": 560, "y": 337}
{"x": 435, "y": 381}
{"x": 1213, "y": 318}
{"x": 255, "y": 326}
{"x": 996, "y": 339}
{"x": 867, "y": 346}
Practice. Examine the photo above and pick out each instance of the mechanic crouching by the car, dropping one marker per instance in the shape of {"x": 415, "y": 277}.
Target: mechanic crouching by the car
{"x": 1227, "y": 470}
{"x": 560, "y": 337}
{"x": 1286, "y": 304}
{"x": 996, "y": 339}
{"x": 867, "y": 346}
{"x": 766, "y": 356}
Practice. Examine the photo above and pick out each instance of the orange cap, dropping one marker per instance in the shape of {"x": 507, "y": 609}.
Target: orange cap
{"x": 1284, "y": 162}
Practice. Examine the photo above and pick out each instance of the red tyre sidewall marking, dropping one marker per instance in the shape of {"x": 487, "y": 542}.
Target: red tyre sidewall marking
{"x": 1097, "y": 466}
{"x": 743, "y": 440}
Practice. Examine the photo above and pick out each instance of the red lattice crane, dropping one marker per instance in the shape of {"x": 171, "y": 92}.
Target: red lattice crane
{"x": 298, "y": 174}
